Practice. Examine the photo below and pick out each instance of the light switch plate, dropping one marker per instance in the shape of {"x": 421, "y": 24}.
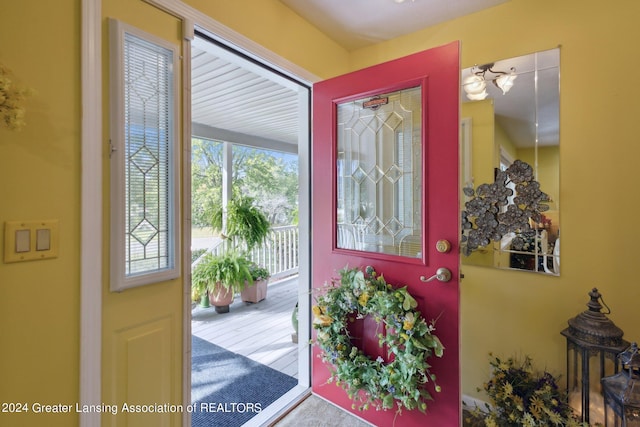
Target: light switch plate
{"x": 42, "y": 240}
{"x": 23, "y": 240}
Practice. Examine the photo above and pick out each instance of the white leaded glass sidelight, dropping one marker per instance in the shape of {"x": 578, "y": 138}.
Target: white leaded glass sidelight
{"x": 144, "y": 185}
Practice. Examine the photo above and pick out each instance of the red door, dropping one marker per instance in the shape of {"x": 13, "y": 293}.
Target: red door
{"x": 384, "y": 194}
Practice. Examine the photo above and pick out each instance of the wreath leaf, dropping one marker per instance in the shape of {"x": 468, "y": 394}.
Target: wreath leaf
{"x": 438, "y": 349}
{"x": 409, "y": 302}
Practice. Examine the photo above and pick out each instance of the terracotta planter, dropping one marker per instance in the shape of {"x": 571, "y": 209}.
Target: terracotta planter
{"x": 256, "y": 292}
{"x": 220, "y": 297}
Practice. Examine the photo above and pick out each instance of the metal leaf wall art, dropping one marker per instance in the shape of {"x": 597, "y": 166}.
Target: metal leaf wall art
{"x": 495, "y": 210}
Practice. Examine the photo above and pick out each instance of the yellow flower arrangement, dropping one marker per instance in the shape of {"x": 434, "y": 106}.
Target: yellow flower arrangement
{"x": 12, "y": 111}
{"x": 522, "y": 397}
{"x": 402, "y": 382}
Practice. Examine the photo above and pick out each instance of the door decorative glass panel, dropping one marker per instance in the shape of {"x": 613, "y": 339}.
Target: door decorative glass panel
{"x": 379, "y": 174}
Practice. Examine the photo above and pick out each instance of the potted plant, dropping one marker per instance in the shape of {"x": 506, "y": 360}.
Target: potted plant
{"x": 258, "y": 291}
{"x": 199, "y": 296}
{"x": 199, "y": 285}
{"x": 246, "y": 225}
{"x": 221, "y": 276}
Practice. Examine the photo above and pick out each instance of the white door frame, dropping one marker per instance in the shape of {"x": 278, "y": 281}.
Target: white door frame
{"x": 91, "y": 199}
{"x": 90, "y": 392}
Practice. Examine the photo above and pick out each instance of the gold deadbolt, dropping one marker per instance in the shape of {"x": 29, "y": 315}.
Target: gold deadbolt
{"x": 443, "y": 246}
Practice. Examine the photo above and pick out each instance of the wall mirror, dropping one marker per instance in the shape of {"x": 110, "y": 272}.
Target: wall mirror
{"x": 510, "y": 112}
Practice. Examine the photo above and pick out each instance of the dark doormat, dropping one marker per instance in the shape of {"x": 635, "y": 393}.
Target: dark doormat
{"x": 228, "y": 389}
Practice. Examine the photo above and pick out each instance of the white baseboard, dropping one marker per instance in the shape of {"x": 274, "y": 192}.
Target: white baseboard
{"x": 471, "y": 403}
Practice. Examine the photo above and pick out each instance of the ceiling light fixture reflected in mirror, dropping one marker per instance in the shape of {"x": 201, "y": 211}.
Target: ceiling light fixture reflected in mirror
{"x": 475, "y": 85}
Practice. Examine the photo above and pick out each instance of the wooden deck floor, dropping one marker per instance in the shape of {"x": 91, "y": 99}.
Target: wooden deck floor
{"x": 260, "y": 331}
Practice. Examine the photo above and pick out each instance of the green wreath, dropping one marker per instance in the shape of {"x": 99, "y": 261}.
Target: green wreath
{"x": 409, "y": 339}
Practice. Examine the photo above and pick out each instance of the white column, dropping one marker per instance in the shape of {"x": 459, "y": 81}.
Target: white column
{"x": 227, "y": 177}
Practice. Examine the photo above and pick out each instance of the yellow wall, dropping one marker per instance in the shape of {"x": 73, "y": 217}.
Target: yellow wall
{"x": 504, "y": 142}
{"x": 548, "y": 173}
{"x": 548, "y": 169}
{"x": 40, "y": 179}
{"x": 483, "y": 128}
{"x": 503, "y": 312}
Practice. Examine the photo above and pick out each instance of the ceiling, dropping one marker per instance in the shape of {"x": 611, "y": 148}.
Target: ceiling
{"x": 357, "y": 23}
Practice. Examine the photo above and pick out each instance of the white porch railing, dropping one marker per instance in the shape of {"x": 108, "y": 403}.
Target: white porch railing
{"x": 279, "y": 253}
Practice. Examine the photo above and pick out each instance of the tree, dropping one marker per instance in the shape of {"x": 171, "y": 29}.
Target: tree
{"x": 269, "y": 177}
{"x": 206, "y": 180}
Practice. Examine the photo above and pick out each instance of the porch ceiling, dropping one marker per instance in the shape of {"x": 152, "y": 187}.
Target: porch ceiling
{"x": 238, "y": 101}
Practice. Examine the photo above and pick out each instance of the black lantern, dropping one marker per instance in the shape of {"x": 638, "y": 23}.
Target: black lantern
{"x": 622, "y": 391}
{"x": 593, "y": 342}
